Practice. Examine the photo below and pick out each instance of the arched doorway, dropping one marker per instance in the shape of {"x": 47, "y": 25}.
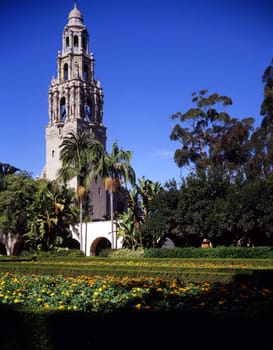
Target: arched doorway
{"x": 3, "y": 250}
{"x": 168, "y": 243}
{"x": 98, "y": 244}
{"x": 72, "y": 243}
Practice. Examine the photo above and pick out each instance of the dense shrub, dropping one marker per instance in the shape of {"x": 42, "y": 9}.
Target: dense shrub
{"x": 121, "y": 253}
{"x": 218, "y": 252}
{"x": 23, "y": 329}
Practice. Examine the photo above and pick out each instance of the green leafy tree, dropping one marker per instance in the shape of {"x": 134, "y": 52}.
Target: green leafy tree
{"x": 261, "y": 163}
{"x": 135, "y": 213}
{"x": 147, "y": 190}
{"x": 252, "y": 205}
{"x": 139, "y": 200}
{"x": 267, "y": 104}
{"x": 160, "y": 222}
{"x": 6, "y": 169}
{"x": 127, "y": 230}
{"x": 211, "y": 138}
{"x": 51, "y": 214}
{"x": 203, "y": 209}
{"x": 16, "y": 197}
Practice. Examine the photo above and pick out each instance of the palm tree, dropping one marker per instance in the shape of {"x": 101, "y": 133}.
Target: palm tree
{"x": 139, "y": 199}
{"x": 115, "y": 168}
{"x": 80, "y": 152}
{"x": 147, "y": 189}
{"x": 128, "y": 230}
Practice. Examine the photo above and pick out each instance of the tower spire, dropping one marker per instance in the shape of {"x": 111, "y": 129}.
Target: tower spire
{"x": 75, "y": 101}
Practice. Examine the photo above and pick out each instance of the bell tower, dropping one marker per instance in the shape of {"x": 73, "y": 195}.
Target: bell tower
{"x": 75, "y": 100}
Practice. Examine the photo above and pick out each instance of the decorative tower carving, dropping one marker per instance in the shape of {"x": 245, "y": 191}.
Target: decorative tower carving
{"x": 75, "y": 100}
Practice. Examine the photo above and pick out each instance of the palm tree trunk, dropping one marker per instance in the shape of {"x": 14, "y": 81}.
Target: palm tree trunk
{"x": 85, "y": 239}
{"x": 81, "y": 247}
{"x": 112, "y": 220}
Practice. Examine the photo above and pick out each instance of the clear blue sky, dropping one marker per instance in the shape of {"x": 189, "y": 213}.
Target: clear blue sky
{"x": 150, "y": 56}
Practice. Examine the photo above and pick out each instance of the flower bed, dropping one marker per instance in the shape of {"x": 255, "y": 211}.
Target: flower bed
{"x": 110, "y": 293}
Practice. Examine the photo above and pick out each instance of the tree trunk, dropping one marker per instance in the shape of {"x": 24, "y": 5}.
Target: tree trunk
{"x": 112, "y": 220}
{"x": 81, "y": 247}
{"x": 111, "y": 185}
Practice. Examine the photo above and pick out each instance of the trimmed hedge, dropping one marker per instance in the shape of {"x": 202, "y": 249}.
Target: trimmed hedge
{"x": 24, "y": 329}
{"x": 217, "y": 252}
{"x": 186, "y": 270}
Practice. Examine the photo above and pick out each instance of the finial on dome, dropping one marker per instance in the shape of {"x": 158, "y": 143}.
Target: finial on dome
{"x": 75, "y": 16}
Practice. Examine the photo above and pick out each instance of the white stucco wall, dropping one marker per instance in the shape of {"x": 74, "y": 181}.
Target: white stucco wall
{"x": 93, "y": 232}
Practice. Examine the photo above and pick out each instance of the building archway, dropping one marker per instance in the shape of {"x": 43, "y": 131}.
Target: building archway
{"x": 169, "y": 243}
{"x": 3, "y": 250}
{"x": 99, "y": 244}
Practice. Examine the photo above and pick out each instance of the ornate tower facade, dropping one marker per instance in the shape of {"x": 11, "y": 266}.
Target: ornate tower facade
{"x": 75, "y": 100}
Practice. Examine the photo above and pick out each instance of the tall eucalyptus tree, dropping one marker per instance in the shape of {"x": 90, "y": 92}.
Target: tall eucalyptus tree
{"x": 210, "y": 138}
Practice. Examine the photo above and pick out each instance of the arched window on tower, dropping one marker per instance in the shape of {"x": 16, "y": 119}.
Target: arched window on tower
{"x": 76, "y": 41}
{"x": 84, "y": 43}
{"x": 67, "y": 42}
{"x": 63, "y": 109}
{"x": 85, "y": 72}
{"x": 65, "y": 71}
{"x": 88, "y": 111}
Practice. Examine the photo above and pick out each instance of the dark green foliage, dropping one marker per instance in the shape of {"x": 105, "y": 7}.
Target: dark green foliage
{"x": 161, "y": 222}
{"x": 28, "y": 329}
{"x": 211, "y": 138}
{"x": 227, "y": 194}
{"x": 16, "y": 197}
{"x": 34, "y": 214}
{"x": 203, "y": 208}
{"x": 6, "y": 169}
{"x": 212, "y": 206}
{"x": 51, "y": 213}
{"x": 15, "y": 200}
{"x": 218, "y": 252}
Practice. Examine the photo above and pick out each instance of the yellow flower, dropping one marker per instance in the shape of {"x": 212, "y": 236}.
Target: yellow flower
{"x": 138, "y": 306}
{"x": 266, "y": 291}
{"x": 16, "y": 301}
{"x": 173, "y": 285}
